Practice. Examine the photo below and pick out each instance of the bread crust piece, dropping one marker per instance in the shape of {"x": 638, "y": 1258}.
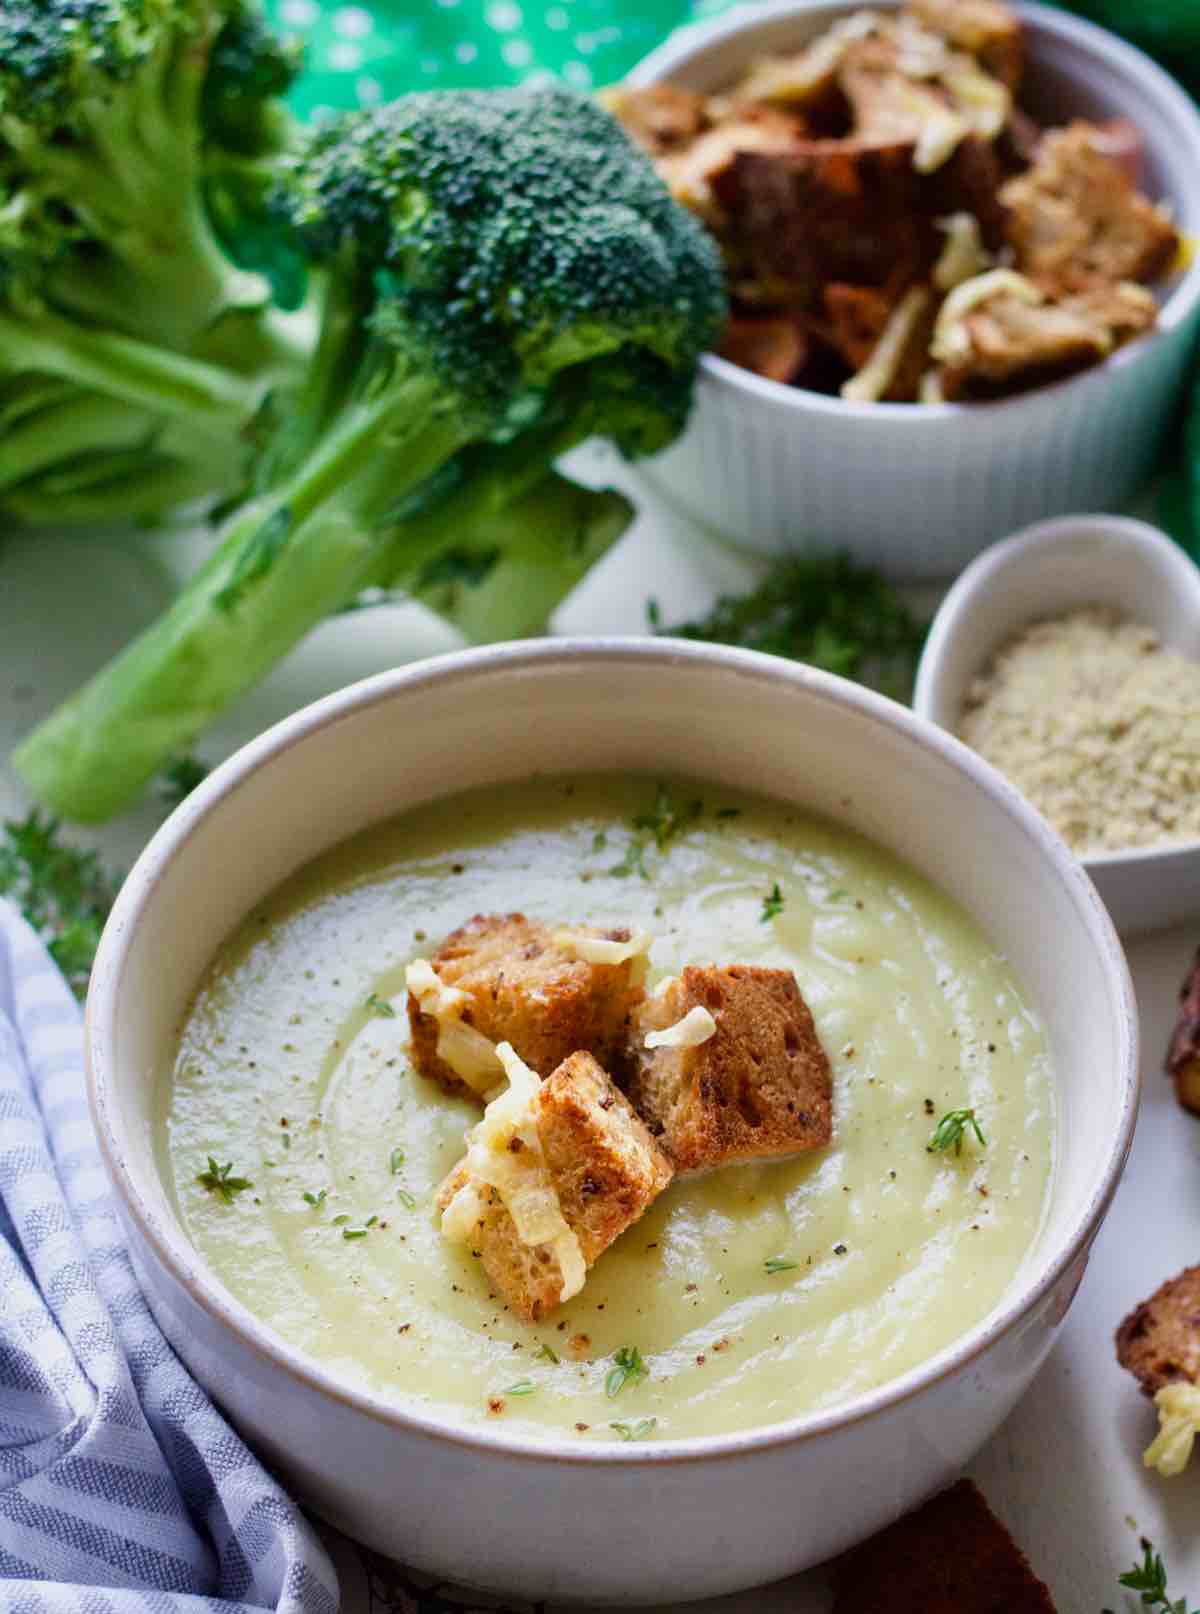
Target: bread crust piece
{"x": 759, "y": 1087}
{"x": 987, "y": 29}
{"x": 1077, "y": 219}
{"x": 1183, "y": 1055}
{"x": 1159, "y": 1342}
{"x": 528, "y": 990}
{"x": 951, "y": 1556}
{"x": 605, "y": 1167}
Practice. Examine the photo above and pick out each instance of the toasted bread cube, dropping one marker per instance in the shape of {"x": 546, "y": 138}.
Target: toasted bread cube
{"x": 1183, "y": 1055}
{"x": 951, "y": 1556}
{"x": 1015, "y": 338}
{"x": 986, "y": 29}
{"x": 658, "y": 117}
{"x": 1159, "y": 1342}
{"x": 526, "y": 988}
{"x": 1076, "y": 218}
{"x": 758, "y": 1086}
{"x": 776, "y": 348}
{"x": 602, "y": 1164}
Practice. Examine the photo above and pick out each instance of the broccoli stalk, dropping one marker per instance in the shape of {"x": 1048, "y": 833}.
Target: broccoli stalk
{"x": 513, "y": 569}
{"x": 115, "y": 118}
{"x": 506, "y": 275}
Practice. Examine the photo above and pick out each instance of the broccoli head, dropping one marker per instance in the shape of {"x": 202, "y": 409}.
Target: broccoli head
{"x": 505, "y": 276}
{"x": 498, "y": 239}
{"x": 114, "y": 115}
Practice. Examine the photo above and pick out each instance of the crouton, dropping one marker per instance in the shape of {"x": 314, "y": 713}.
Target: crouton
{"x": 1075, "y": 217}
{"x": 572, "y": 1163}
{"x": 890, "y": 107}
{"x": 694, "y": 174}
{"x": 1183, "y": 1055}
{"x": 1159, "y": 1342}
{"x": 857, "y": 317}
{"x": 742, "y": 1076}
{"x": 829, "y": 210}
{"x": 505, "y": 978}
{"x": 998, "y": 332}
{"x": 804, "y": 81}
{"x": 986, "y": 29}
{"x": 896, "y": 364}
{"x": 951, "y": 1556}
{"x": 659, "y": 117}
{"x": 776, "y": 348}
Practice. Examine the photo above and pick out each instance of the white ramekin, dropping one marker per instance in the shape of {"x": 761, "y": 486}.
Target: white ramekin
{"x": 1059, "y": 566}
{"x": 918, "y": 490}
{"x": 659, "y": 1522}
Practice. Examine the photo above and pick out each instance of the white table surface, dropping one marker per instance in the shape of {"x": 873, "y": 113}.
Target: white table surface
{"x": 1065, "y": 1471}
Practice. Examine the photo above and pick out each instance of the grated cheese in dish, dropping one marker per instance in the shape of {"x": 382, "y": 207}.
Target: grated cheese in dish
{"x": 520, "y": 1176}
{"x": 1097, "y": 725}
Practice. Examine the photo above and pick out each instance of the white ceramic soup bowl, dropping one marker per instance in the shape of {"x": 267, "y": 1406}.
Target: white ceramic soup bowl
{"x": 613, "y": 1522}
{"x": 1054, "y": 567}
{"x": 919, "y": 489}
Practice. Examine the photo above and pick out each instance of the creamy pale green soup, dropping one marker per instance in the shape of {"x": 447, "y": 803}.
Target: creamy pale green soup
{"x": 753, "y": 1293}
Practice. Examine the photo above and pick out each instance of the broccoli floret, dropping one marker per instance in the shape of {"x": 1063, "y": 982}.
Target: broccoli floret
{"x": 114, "y": 287}
{"x": 250, "y": 70}
{"x": 505, "y": 276}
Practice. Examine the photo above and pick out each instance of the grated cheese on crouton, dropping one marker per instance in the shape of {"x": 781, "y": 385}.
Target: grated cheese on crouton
{"x": 512, "y": 981}
{"x": 592, "y": 1153}
{"x": 757, "y": 1087}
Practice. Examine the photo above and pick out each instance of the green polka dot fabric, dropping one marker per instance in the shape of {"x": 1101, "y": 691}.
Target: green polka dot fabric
{"x": 357, "y": 55}
{"x": 360, "y": 54}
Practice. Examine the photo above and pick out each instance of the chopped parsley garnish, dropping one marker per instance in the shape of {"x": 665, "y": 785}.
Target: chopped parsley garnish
{"x": 406, "y": 1199}
{"x": 658, "y": 827}
{"x": 179, "y": 778}
{"x": 627, "y": 1368}
{"x": 635, "y": 1431}
{"x": 653, "y": 614}
{"x": 778, "y": 1263}
{"x": 285, "y": 1139}
{"x": 218, "y": 1181}
{"x": 395, "y": 1161}
{"x": 343, "y": 1216}
{"x": 599, "y": 841}
{"x": 521, "y": 1387}
{"x": 380, "y": 1007}
{"x": 666, "y": 819}
{"x": 315, "y": 1200}
{"x": 772, "y": 904}
{"x": 63, "y": 892}
{"x": 354, "y": 1232}
{"x": 1150, "y": 1579}
{"x": 839, "y": 895}
{"x": 950, "y": 1130}
{"x": 547, "y": 1353}
{"x": 370, "y": 1221}
{"x": 826, "y": 610}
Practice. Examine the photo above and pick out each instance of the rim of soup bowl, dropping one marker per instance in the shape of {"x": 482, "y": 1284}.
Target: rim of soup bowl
{"x": 184, "y": 1263}
{"x": 1090, "y": 41}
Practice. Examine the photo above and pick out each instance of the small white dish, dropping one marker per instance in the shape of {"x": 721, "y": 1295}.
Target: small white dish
{"x": 1051, "y": 568}
{"x": 919, "y": 490}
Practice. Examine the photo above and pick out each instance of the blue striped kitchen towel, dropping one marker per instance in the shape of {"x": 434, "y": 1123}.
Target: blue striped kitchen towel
{"x": 122, "y": 1488}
